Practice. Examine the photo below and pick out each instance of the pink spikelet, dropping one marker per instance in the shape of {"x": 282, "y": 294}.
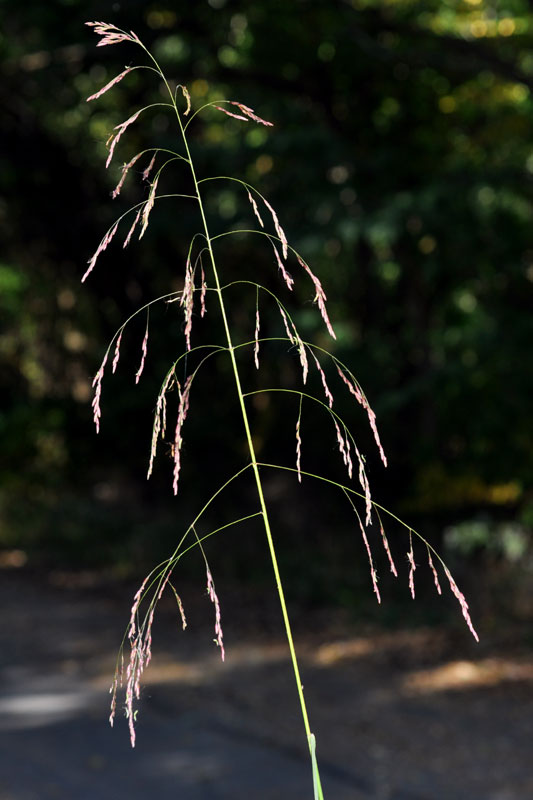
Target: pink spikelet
{"x": 303, "y": 358}
{"x": 108, "y": 86}
{"x": 299, "y": 446}
{"x": 148, "y": 207}
{"x": 214, "y": 599}
{"x": 365, "y": 485}
{"x": 327, "y": 392}
{"x": 249, "y": 112}
{"x": 143, "y": 356}
{"x": 159, "y": 420}
{"x": 290, "y": 335}
{"x": 256, "y": 337}
{"x": 125, "y": 169}
{"x": 111, "y": 34}
{"x": 113, "y": 693}
{"x": 230, "y": 113}
{"x": 434, "y": 571}
{"x": 341, "y": 442}
{"x": 187, "y": 301}
{"x": 114, "y": 138}
{"x": 130, "y": 232}
{"x": 462, "y": 602}
{"x": 387, "y": 550}
{"x": 348, "y": 462}
{"x": 117, "y": 353}
{"x": 97, "y": 386}
{"x": 320, "y": 296}
{"x": 279, "y": 229}
{"x": 373, "y": 572}
{"x": 256, "y": 210}
{"x": 180, "y": 607}
{"x": 412, "y": 566}
{"x": 132, "y": 627}
{"x": 149, "y": 168}
{"x": 101, "y": 247}
{"x": 203, "y": 293}
{"x": 361, "y": 399}
{"x": 182, "y": 414}
{"x": 286, "y": 277}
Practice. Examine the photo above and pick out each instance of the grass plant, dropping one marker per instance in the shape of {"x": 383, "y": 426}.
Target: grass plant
{"x": 204, "y": 288}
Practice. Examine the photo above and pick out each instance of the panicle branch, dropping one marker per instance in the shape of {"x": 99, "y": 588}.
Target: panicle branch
{"x": 125, "y": 169}
{"x": 111, "y": 34}
{"x": 108, "y": 86}
{"x": 115, "y": 137}
{"x": 361, "y": 399}
{"x": 101, "y": 247}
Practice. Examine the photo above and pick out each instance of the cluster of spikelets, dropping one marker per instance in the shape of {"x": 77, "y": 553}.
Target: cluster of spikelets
{"x": 139, "y": 633}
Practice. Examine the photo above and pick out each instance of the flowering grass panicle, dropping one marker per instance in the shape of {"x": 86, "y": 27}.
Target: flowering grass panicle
{"x": 139, "y": 631}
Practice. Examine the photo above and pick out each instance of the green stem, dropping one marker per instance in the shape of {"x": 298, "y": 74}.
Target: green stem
{"x": 255, "y": 468}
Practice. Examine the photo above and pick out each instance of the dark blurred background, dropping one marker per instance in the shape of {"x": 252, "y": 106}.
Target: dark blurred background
{"x": 400, "y": 165}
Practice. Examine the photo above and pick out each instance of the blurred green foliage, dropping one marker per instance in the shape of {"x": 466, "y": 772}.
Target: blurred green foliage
{"x": 401, "y": 165}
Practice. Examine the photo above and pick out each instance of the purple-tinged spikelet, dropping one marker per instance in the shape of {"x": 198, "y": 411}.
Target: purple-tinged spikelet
{"x": 114, "y": 138}
{"x": 299, "y": 446}
{"x": 279, "y": 229}
{"x": 111, "y": 34}
{"x": 387, "y": 550}
{"x": 182, "y": 414}
{"x": 412, "y": 566}
{"x": 108, "y": 86}
{"x": 180, "y": 607}
{"x": 365, "y": 485}
{"x": 218, "y": 626}
{"x": 344, "y": 445}
{"x": 130, "y": 232}
{"x": 125, "y": 169}
{"x": 187, "y": 301}
{"x": 361, "y": 399}
{"x": 249, "y": 112}
{"x": 303, "y": 358}
{"x": 97, "y": 386}
{"x": 148, "y": 207}
{"x": 203, "y": 292}
{"x": 256, "y": 210}
{"x": 230, "y": 113}
{"x": 159, "y": 420}
{"x": 462, "y": 602}
{"x": 101, "y": 247}
{"x": 256, "y": 337}
{"x": 149, "y": 168}
{"x": 373, "y": 573}
{"x": 286, "y": 277}
{"x": 117, "y": 353}
{"x": 320, "y": 296}
{"x": 144, "y": 350}
{"x": 434, "y": 571}
{"x": 290, "y": 336}
{"x": 327, "y": 392}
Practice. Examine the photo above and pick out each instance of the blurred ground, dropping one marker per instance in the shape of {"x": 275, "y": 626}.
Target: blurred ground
{"x": 409, "y": 715}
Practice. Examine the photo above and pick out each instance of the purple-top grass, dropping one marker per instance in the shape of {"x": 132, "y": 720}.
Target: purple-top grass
{"x": 196, "y": 287}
